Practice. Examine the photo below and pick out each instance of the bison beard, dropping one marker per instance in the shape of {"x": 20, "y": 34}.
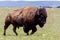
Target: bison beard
{"x": 28, "y": 17}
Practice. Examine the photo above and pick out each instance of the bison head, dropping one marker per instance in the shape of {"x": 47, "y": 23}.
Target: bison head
{"x": 41, "y": 21}
{"x": 41, "y": 16}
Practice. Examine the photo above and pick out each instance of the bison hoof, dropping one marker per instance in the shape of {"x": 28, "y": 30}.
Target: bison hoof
{"x": 4, "y": 34}
{"x": 27, "y": 33}
{"x": 16, "y": 34}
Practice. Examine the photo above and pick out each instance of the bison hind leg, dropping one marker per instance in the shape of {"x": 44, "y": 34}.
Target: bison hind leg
{"x": 7, "y": 23}
{"x": 14, "y": 29}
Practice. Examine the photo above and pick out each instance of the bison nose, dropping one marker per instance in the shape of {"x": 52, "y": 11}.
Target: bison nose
{"x": 41, "y": 25}
{"x": 44, "y": 22}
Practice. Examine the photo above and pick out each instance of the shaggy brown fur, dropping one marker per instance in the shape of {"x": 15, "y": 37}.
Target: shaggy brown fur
{"x": 28, "y": 17}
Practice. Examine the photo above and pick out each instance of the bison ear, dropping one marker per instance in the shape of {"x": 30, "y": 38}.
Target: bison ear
{"x": 43, "y": 12}
{"x": 39, "y": 11}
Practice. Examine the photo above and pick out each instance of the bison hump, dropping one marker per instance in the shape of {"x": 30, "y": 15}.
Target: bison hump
{"x": 29, "y": 13}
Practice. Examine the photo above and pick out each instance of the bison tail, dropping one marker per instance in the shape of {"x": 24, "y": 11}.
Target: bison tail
{"x": 8, "y": 20}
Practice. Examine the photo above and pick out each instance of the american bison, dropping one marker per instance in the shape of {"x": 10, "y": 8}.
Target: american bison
{"x": 28, "y": 17}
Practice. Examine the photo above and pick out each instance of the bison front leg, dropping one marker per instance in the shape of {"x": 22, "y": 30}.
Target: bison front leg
{"x": 26, "y": 30}
{"x": 34, "y": 29}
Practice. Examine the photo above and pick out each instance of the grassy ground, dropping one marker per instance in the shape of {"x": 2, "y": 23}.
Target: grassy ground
{"x": 51, "y": 30}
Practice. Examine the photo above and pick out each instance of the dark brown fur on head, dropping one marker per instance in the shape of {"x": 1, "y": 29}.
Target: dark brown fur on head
{"x": 42, "y": 17}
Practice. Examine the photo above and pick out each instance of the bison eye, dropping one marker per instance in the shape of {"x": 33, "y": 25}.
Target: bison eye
{"x": 42, "y": 16}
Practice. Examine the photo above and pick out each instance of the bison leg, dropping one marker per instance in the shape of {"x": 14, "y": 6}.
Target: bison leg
{"x": 26, "y": 29}
{"x": 14, "y": 29}
{"x": 6, "y": 26}
{"x": 34, "y": 29}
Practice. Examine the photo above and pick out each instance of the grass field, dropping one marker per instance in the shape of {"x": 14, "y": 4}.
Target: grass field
{"x": 51, "y": 30}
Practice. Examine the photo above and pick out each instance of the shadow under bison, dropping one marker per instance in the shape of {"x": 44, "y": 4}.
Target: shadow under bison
{"x": 28, "y": 17}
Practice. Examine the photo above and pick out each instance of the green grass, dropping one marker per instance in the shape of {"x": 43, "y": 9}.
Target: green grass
{"x": 50, "y": 31}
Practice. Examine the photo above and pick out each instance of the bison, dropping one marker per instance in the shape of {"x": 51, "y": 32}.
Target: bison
{"x": 28, "y": 17}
